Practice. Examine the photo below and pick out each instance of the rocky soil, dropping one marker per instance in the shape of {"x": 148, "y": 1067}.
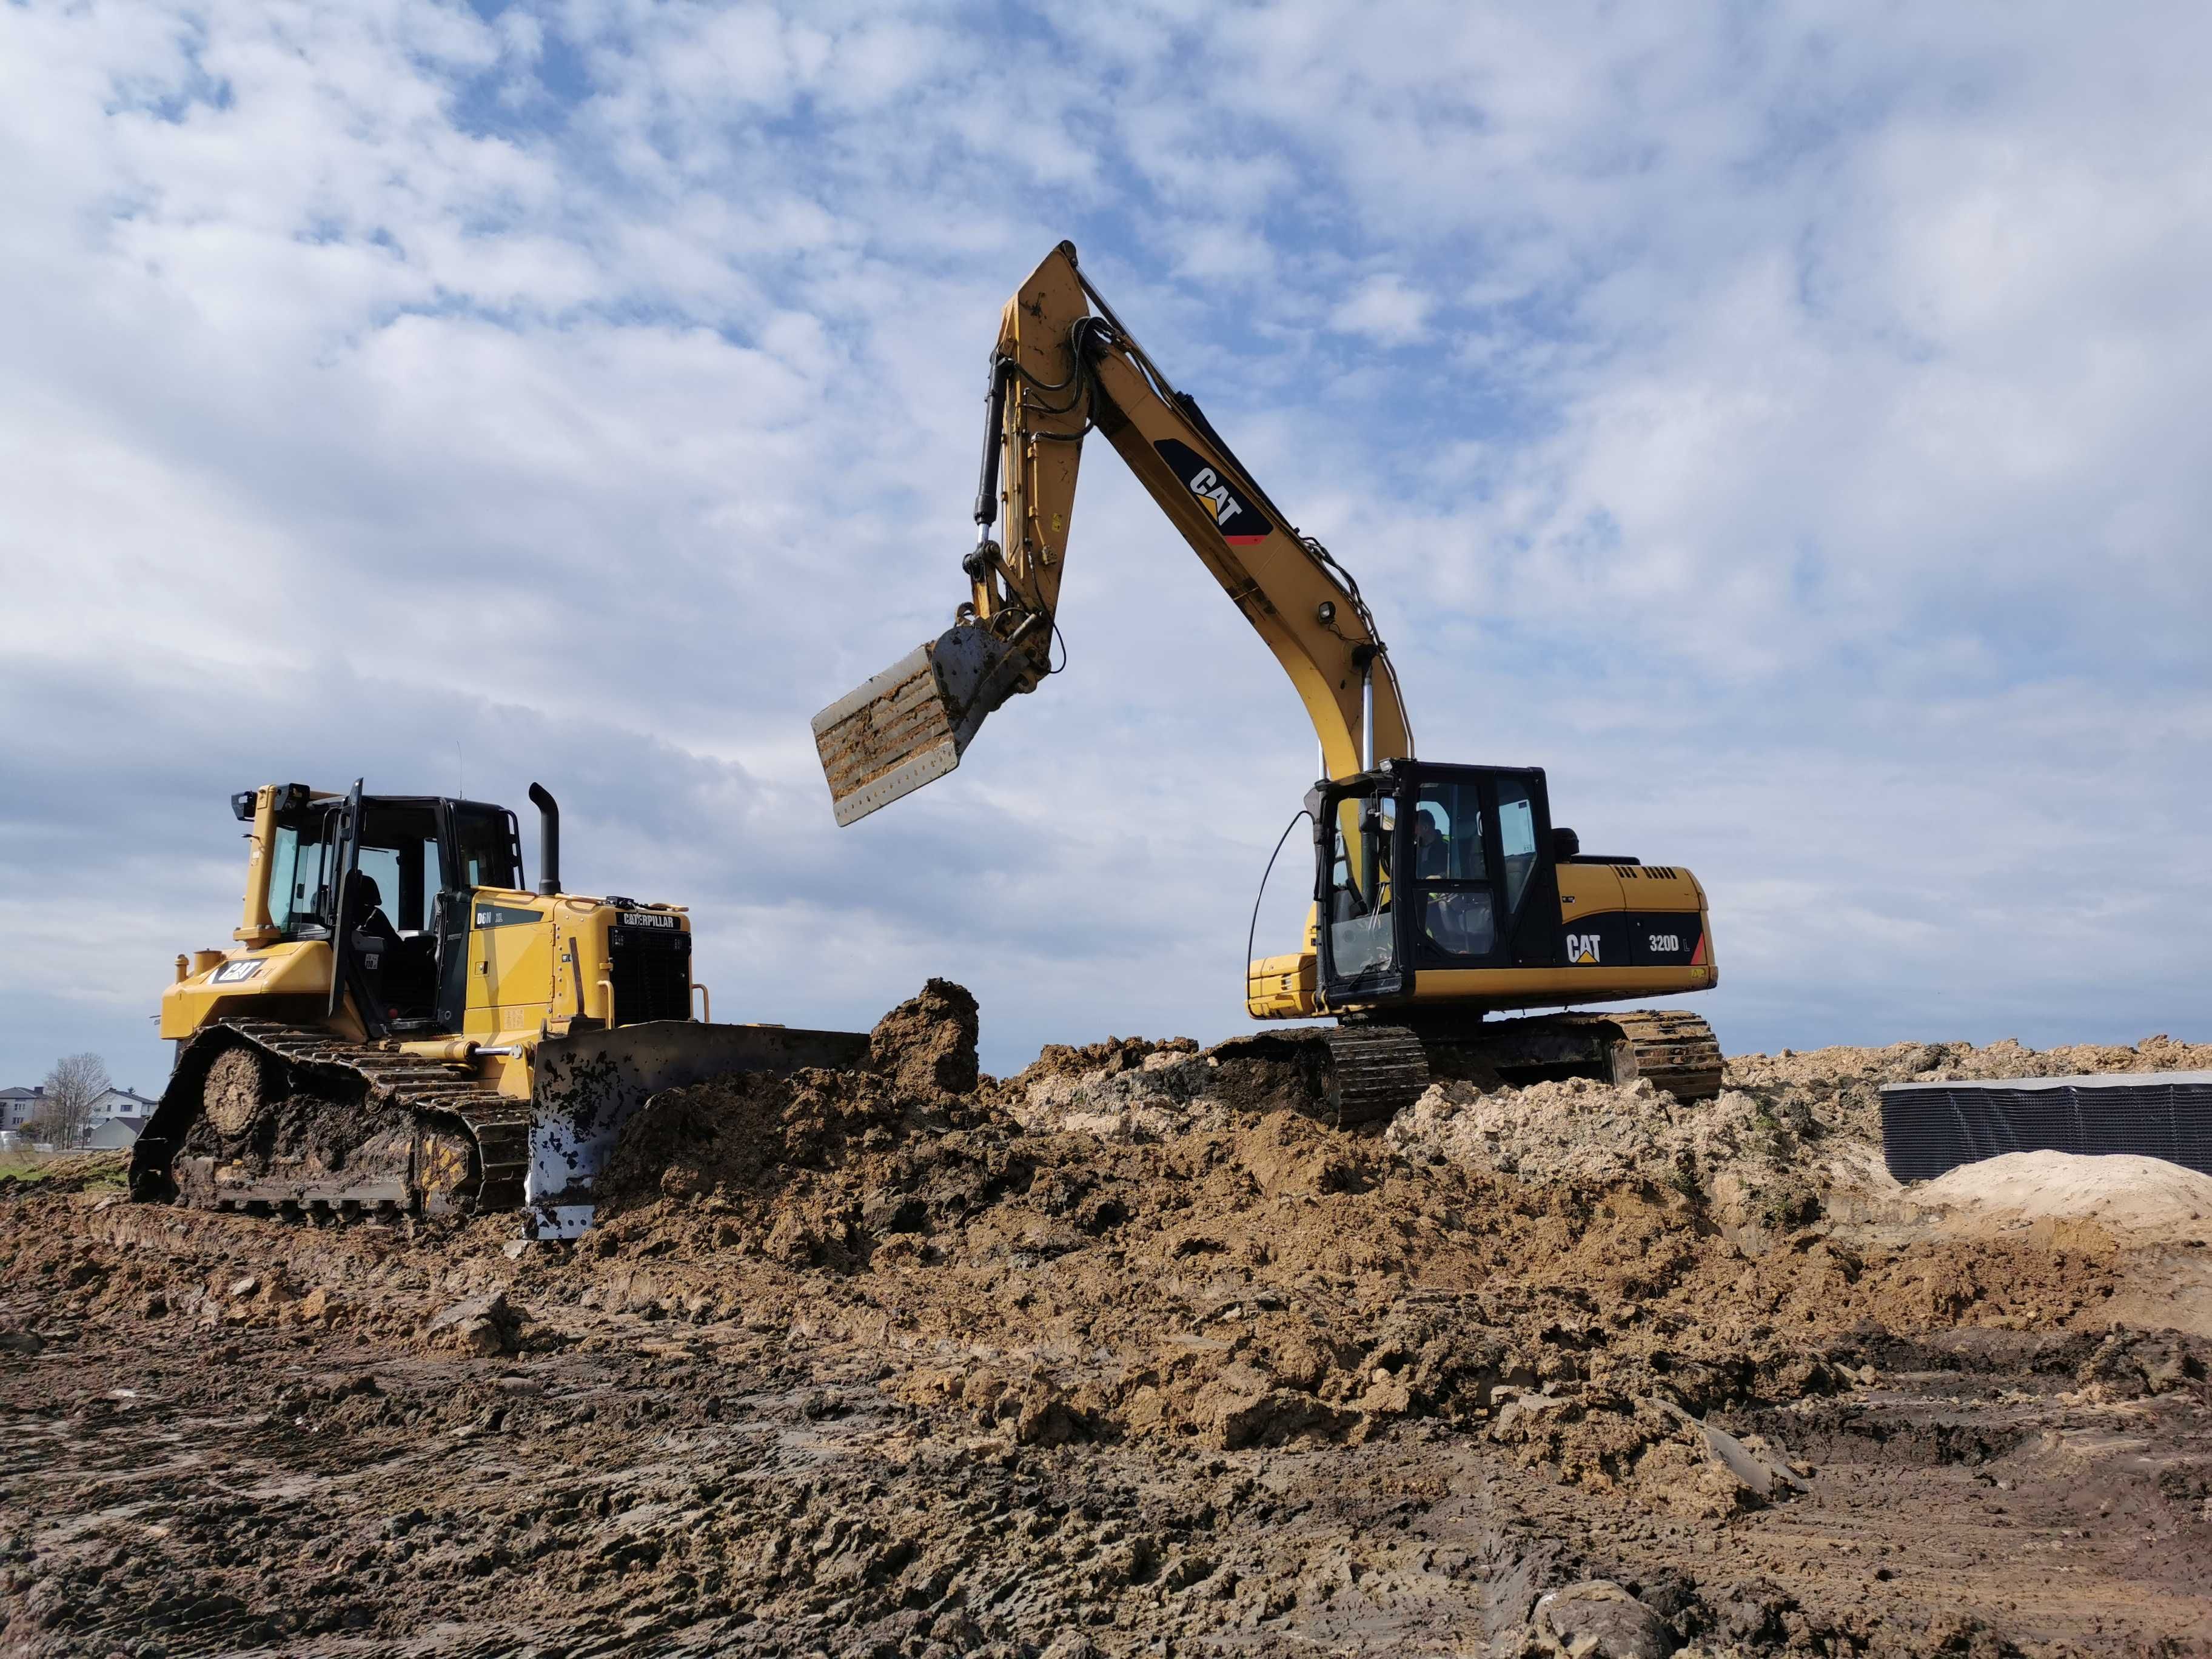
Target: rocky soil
{"x": 1126, "y": 1354}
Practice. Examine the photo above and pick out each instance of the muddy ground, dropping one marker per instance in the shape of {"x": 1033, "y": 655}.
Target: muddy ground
{"x": 1126, "y": 1355}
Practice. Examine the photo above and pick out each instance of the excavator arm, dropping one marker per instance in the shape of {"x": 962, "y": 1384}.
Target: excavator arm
{"x": 1064, "y": 365}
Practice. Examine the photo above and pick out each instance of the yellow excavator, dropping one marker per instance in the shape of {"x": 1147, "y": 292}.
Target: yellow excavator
{"x": 403, "y": 1025}
{"x": 1444, "y": 897}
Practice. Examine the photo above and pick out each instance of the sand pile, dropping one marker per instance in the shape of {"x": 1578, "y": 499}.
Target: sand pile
{"x": 2143, "y": 1197}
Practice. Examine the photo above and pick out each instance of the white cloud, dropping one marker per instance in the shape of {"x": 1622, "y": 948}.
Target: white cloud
{"x": 1383, "y": 309}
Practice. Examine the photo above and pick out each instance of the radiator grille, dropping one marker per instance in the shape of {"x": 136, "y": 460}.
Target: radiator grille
{"x": 652, "y": 973}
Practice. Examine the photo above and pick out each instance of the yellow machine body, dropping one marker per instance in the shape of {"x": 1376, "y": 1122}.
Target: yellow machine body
{"x": 462, "y": 1042}
{"x": 535, "y": 963}
{"x": 1554, "y": 928}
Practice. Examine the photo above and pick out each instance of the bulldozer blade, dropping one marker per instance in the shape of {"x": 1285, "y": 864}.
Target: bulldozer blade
{"x": 589, "y": 1084}
{"x": 909, "y": 725}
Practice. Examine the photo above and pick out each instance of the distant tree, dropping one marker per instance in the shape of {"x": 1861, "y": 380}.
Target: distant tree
{"x": 76, "y": 1081}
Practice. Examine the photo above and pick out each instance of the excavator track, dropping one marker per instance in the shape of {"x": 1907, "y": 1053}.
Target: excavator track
{"x": 445, "y": 1142}
{"x": 1673, "y": 1051}
{"x": 1375, "y": 1072}
{"x": 1362, "y": 1072}
{"x": 1676, "y": 1051}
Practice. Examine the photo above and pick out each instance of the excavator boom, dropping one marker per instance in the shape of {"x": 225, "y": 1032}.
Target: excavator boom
{"x": 1063, "y": 365}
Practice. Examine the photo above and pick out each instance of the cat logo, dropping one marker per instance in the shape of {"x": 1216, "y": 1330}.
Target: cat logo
{"x": 1206, "y": 483}
{"x": 1582, "y": 949}
{"x": 1240, "y": 523}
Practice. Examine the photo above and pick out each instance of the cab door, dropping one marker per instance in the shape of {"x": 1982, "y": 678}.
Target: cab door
{"x": 1356, "y": 831}
{"x": 347, "y": 914}
{"x": 1529, "y": 871}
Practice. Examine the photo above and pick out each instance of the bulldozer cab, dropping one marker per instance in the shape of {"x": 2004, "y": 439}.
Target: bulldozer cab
{"x": 1432, "y": 866}
{"x": 389, "y": 880}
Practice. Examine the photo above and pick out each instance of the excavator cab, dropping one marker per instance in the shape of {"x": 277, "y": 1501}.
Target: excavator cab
{"x": 1423, "y": 868}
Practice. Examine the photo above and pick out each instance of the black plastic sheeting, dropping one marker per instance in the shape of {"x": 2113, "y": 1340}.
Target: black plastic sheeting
{"x": 1930, "y": 1127}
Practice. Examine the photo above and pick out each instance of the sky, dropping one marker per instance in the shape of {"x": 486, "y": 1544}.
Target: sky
{"x": 1784, "y": 423}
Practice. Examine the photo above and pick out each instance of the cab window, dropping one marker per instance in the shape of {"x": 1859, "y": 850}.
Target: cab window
{"x": 399, "y": 853}
{"x": 1452, "y": 862}
{"x": 484, "y": 849}
{"x": 1516, "y": 838}
{"x": 1448, "y": 834}
{"x": 300, "y": 875}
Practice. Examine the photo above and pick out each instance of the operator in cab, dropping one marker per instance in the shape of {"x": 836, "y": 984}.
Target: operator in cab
{"x": 1431, "y": 852}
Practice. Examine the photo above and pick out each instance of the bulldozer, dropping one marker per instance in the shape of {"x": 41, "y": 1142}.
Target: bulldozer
{"x": 1447, "y": 903}
{"x": 402, "y": 1025}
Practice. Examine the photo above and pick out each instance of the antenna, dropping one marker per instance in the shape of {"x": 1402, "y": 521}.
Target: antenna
{"x": 461, "y": 772}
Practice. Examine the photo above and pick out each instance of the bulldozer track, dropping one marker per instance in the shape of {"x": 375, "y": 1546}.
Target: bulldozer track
{"x": 438, "y": 1096}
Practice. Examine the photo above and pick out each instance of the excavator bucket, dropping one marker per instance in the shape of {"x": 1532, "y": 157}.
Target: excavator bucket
{"x": 588, "y": 1084}
{"x": 910, "y": 723}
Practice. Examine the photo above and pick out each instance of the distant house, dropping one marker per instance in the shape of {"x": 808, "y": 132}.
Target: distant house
{"x": 19, "y": 1106}
{"x": 121, "y": 1103}
{"x": 115, "y": 1134}
{"x": 124, "y": 1106}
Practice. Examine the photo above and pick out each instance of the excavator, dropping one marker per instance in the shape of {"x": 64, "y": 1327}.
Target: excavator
{"x": 1446, "y": 902}
{"x": 403, "y": 1026}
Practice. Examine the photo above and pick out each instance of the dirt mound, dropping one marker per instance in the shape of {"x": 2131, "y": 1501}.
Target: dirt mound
{"x": 1121, "y": 1354}
{"x": 741, "y": 1132}
{"x": 1730, "y": 1153}
{"x": 927, "y": 1045}
{"x": 1794, "y": 1139}
{"x": 1137, "y": 1241}
{"x": 1839, "y": 1087}
{"x": 1133, "y": 1089}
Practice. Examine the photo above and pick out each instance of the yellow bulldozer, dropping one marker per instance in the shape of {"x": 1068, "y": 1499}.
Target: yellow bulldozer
{"x": 1445, "y": 895}
{"x": 403, "y": 1025}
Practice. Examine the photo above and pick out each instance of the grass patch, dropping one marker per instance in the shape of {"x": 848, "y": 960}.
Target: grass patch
{"x": 73, "y": 1172}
